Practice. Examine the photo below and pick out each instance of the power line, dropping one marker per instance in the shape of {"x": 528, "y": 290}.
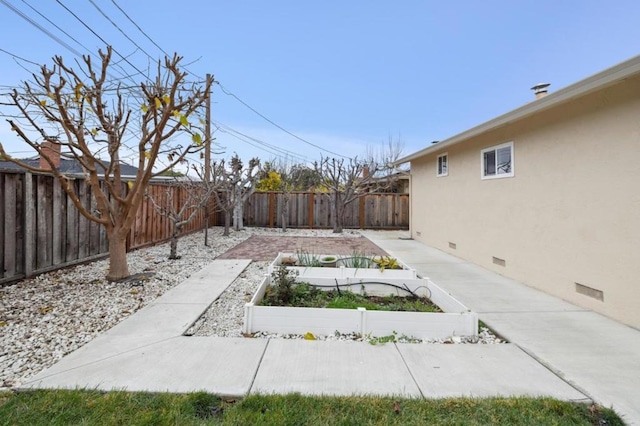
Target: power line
{"x": 226, "y": 92}
{"x": 124, "y": 75}
{"x": 41, "y": 28}
{"x": 138, "y": 27}
{"x": 58, "y": 40}
{"x": 97, "y": 35}
{"x": 230, "y": 130}
{"x": 54, "y": 24}
{"x": 119, "y": 29}
{"x": 148, "y": 37}
{"x": 251, "y": 143}
{"x": 18, "y": 57}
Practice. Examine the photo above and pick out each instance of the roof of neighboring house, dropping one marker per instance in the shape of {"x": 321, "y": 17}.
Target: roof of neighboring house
{"x": 583, "y": 87}
{"x": 67, "y": 166}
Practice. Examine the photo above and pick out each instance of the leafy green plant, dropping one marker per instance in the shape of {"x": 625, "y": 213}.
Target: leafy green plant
{"x": 306, "y": 258}
{"x": 283, "y": 281}
{"x": 357, "y": 260}
{"x": 387, "y": 262}
{"x": 286, "y": 291}
{"x": 304, "y": 295}
{"x": 380, "y": 340}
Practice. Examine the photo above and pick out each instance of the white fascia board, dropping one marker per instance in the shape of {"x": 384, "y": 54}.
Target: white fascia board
{"x": 583, "y": 87}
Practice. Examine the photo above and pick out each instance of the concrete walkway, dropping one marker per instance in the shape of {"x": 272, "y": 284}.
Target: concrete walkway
{"x": 595, "y": 354}
{"x": 149, "y": 352}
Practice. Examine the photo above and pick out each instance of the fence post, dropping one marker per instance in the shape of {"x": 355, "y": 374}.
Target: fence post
{"x": 361, "y": 214}
{"x": 28, "y": 248}
{"x": 311, "y": 209}
{"x": 394, "y": 214}
{"x": 272, "y": 197}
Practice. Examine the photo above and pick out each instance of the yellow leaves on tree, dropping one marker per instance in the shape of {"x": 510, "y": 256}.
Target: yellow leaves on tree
{"x": 271, "y": 182}
{"x": 78, "y": 92}
{"x": 197, "y": 139}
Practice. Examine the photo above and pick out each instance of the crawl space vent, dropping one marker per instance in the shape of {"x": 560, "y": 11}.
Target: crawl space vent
{"x": 499, "y": 262}
{"x": 589, "y": 291}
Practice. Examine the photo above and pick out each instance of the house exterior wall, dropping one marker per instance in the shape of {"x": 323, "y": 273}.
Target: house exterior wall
{"x": 571, "y": 212}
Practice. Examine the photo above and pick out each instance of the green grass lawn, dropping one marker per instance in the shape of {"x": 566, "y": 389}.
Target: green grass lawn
{"x": 83, "y": 407}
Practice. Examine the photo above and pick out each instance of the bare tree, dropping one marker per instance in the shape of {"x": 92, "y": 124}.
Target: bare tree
{"x": 181, "y": 202}
{"x": 92, "y": 116}
{"x": 234, "y": 186}
{"x": 348, "y": 180}
{"x": 277, "y": 176}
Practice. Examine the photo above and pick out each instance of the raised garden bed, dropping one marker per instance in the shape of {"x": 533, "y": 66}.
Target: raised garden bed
{"x": 454, "y": 320}
{"x": 341, "y": 269}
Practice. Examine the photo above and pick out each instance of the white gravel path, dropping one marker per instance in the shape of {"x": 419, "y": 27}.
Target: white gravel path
{"x": 46, "y": 317}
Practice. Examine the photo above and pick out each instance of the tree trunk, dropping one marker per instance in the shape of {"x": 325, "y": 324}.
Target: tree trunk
{"x": 206, "y": 227}
{"x": 174, "y": 242}
{"x": 227, "y": 223}
{"x": 118, "y": 267}
{"x": 238, "y": 223}
{"x": 338, "y": 212}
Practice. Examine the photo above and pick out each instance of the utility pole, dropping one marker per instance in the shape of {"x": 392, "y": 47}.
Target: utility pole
{"x": 207, "y": 157}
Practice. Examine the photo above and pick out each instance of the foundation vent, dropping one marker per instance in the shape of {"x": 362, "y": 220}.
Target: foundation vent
{"x": 589, "y": 291}
{"x": 452, "y": 245}
{"x": 418, "y": 233}
{"x": 499, "y": 262}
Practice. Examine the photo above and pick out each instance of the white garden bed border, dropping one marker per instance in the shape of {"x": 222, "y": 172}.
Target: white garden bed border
{"x": 457, "y": 319}
{"x": 342, "y": 271}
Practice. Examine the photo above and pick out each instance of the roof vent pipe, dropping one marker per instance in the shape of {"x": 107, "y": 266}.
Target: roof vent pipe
{"x": 541, "y": 90}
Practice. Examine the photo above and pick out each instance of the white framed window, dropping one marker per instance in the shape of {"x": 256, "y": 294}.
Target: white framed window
{"x": 442, "y": 166}
{"x": 497, "y": 161}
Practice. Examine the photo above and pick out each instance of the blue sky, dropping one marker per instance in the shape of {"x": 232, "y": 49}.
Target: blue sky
{"x": 342, "y": 75}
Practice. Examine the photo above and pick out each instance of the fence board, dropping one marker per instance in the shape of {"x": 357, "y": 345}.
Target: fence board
{"x": 3, "y": 203}
{"x": 10, "y": 243}
{"x": 29, "y": 219}
{"x": 72, "y": 229}
{"x": 58, "y": 228}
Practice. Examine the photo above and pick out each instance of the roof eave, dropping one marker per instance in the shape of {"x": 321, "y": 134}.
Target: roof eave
{"x": 581, "y": 88}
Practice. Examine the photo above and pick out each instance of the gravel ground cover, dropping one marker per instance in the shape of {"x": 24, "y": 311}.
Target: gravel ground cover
{"x": 46, "y": 317}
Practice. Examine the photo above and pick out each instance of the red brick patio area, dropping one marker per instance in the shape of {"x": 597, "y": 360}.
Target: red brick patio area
{"x": 267, "y": 248}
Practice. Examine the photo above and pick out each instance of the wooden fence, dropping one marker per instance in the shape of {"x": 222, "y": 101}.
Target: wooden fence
{"x": 41, "y": 230}
{"x": 312, "y": 210}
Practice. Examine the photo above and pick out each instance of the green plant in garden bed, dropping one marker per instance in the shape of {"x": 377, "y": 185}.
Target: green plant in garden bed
{"x": 285, "y": 291}
{"x": 387, "y": 262}
{"x": 307, "y": 259}
{"x": 357, "y": 260}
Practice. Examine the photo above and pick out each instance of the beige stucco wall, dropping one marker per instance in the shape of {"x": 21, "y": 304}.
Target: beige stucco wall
{"x": 570, "y": 214}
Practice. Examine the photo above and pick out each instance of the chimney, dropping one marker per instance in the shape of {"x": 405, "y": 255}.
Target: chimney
{"x": 51, "y": 149}
{"x": 541, "y": 90}
{"x": 365, "y": 172}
